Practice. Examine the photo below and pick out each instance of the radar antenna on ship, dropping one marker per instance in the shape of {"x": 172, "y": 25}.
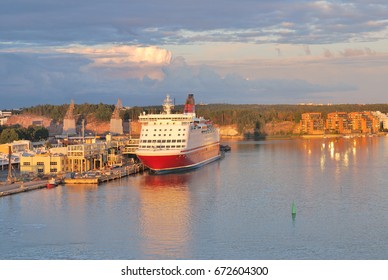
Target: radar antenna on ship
{"x": 168, "y": 105}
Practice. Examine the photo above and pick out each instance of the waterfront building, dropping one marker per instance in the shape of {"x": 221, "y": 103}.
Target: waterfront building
{"x": 385, "y": 122}
{"x": 116, "y": 123}
{"x": 312, "y": 123}
{"x": 364, "y": 122}
{"x": 69, "y": 124}
{"x": 338, "y": 122}
{"x": 17, "y": 146}
{"x": 123, "y": 142}
{"x": 115, "y": 157}
{"x": 383, "y": 119}
{"x": 46, "y": 163}
{"x": 86, "y": 157}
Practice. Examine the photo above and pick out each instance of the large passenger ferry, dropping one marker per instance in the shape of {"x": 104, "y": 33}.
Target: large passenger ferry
{"x": 172, "y": 142}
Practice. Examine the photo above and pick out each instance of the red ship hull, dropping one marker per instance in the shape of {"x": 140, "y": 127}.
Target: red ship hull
{"x": 183, "y": 160}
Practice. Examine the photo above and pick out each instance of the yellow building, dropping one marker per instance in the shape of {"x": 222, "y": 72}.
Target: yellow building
{"x": 16, "y": 146}
{"x": 43, "y": 163}
{"x": 73, "y": 158}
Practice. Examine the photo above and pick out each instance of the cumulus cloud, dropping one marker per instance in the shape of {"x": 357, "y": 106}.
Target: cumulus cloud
{"x": 124, "y": 60}
{"x": 119, "y": 48}
{"x": 121, "y": 54}
{"x": 56, "y": 78}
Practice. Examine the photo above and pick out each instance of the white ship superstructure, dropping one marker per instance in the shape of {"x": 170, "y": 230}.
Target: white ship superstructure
{"x": 177, "y": 141}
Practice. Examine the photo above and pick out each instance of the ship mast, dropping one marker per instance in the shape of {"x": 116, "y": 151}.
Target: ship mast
{"x": 168, "y": 105}
{"x": 9, "y": 177}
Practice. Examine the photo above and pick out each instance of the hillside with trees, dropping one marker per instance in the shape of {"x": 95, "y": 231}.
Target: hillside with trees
{"x": 249, "y": 118}
{"x": 101, "y": 112}
{"x": 13, "y": 133}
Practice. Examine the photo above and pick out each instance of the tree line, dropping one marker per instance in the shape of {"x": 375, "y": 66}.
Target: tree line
{"x": 14, "y": 133}
{"x": 101, "y": 112}
{"x": 244, "y": 116}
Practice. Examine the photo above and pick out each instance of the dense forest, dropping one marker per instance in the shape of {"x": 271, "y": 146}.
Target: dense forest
{"x": 32, "y": 133}
{"x": 256, "y": 116}
{"x": 244, "y": 117}
{"x": 249, "y": 116}
{"x": 101, "y": 112}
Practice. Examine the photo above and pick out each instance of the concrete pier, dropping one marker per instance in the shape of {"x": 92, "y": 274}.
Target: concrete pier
{"x": 19, "y": 187}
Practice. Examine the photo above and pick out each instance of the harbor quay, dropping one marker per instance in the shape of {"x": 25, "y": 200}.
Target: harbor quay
{"x": 98, "y": 177}
{"x": 88, "y": 178}
{"x": 19, "y": 187}
{"x": 79, "y": 160}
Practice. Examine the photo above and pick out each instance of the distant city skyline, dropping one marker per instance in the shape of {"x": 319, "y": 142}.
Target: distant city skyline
{"x": 262, "y": 52}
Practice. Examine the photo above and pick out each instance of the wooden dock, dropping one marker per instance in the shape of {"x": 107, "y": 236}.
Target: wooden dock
{"x": 116, "y": 173}
{"x": 113, "y": 174}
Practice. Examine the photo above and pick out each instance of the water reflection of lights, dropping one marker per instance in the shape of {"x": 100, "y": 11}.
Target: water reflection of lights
{"x": 165, "y": 215}
{"x": 323, "y": 162}
{"x": 332, "y": 150}
{"x": 337, "y": 151}
{"x": 346, "y": 160}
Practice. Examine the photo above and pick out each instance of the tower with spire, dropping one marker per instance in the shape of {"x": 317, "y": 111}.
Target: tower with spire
{"x": 69, "y": 127}
{"x": 116, "y": 123}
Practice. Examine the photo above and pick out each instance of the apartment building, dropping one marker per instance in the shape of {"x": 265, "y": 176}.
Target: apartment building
{"x": 312, "y": 123}
{"x": 338, "y": 122}
{"x": 364, "y": 122}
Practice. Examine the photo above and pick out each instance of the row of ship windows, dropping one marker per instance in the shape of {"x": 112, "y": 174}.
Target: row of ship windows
{"x": 163, "y": 141}
{"x": 162, "y": 146}
{"x": 161, "y": 134}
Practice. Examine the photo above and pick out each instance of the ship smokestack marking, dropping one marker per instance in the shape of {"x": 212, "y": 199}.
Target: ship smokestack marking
{"x": 190, "y": 104}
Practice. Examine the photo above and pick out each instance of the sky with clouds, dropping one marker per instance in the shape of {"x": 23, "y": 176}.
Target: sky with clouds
{"x": 223, "y": 51}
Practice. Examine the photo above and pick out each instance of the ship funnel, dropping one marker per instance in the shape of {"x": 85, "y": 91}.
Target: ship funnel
{"x": 190, "y": 104}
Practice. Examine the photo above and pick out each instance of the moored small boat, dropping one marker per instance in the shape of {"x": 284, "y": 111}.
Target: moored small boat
{"x": 52, "y": 183}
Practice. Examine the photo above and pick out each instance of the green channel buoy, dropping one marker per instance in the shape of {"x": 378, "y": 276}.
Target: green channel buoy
{"x": 293, "y": 209}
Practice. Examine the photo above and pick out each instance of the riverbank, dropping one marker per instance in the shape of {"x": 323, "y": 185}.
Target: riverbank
{"x": 297, "y": 136}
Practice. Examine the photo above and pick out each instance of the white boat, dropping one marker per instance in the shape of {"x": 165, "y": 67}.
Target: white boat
{"x": 172, "y": 142}
{"x": 52, "y": 183}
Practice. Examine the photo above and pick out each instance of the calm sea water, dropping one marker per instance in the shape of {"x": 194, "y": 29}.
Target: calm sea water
{"x": 236, "y": 208}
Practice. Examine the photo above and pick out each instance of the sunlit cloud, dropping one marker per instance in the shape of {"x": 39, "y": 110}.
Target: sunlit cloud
{"x": 123, "y": 60}
{"x": 122, "y": 54}
{"x": 251, "y": 51}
